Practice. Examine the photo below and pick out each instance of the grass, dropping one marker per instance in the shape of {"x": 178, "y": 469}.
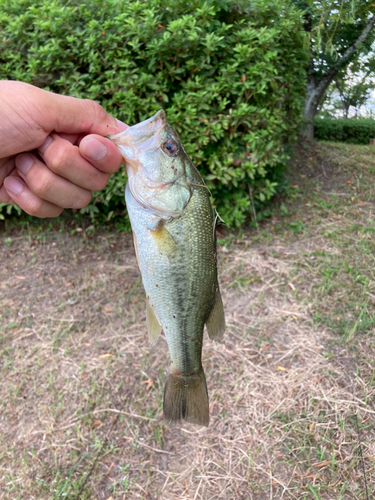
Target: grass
{"x": 291, "y": 390}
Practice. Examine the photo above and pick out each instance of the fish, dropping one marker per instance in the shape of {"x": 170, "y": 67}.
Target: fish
{"x": 174, "y": 237}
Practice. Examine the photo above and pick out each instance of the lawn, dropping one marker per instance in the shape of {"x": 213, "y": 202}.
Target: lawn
{"x": 291, "y": 389}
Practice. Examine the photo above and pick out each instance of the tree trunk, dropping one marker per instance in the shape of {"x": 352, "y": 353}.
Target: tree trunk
{"x": 315, "y": 91}
{"x": 316, "y": 88}
{"x": 345, "y": 106}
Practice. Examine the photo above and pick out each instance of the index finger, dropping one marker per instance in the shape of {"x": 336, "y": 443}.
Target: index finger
{"x": 76, "y": 116}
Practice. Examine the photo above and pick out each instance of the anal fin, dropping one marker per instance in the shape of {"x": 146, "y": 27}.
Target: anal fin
{"x": 153, "y": 326}
{"x": 216, "y": 321}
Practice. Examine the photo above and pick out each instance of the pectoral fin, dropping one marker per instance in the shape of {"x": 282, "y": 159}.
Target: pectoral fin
{"x": 216, "y": 321}
{"x": 153, "y": 326}
{"x": 163, "y": 238}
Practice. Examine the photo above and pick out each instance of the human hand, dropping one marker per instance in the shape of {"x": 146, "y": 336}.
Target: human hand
{"x": 53, "y": 152}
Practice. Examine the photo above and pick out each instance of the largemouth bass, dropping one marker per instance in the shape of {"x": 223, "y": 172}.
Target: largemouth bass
{"x": 174, "y": 238}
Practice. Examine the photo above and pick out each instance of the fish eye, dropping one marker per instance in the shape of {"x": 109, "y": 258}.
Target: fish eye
{"x": 170, "y": 147}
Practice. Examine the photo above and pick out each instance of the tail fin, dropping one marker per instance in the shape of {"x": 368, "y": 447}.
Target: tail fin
{"x": 186, "y": 398}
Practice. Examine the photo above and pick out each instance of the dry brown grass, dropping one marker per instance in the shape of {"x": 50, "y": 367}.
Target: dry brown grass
{"x": 81, "y": 389}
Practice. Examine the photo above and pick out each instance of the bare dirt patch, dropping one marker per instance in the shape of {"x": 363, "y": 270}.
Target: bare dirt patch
{"x": 291, "y": 395}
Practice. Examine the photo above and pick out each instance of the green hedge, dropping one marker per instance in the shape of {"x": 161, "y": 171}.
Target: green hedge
{"x": 350, "y": 130}
{"x": 229, "y": 74}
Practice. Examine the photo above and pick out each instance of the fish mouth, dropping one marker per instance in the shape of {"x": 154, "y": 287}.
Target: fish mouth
{"x": 142, "y": 136}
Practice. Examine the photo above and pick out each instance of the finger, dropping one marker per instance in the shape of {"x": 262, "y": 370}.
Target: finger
{"x": 65, "y": 160}
{"x": 40, "y": 112}
{"x": 98, "y": 150}
{"x": 7, "y": 168}
{"x": 72, "y": 138}
{"x": 76, "y": 116}
{"x": 4, "y": 196}
{"x": 101, "y": 153}
{"x": 49, "y": 186}
{"x": 21, "y": 195}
